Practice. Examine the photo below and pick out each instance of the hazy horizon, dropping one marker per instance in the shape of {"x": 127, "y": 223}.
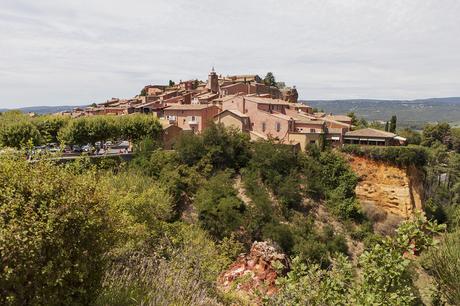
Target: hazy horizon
{"x": 56, "y": 53}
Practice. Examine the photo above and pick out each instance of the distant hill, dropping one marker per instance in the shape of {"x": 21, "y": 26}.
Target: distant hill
{"x": 414, "y": 113}
{"x": 42, "y": 109}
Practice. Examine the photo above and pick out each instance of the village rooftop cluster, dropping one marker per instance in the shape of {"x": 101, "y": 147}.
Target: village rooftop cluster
{"x": 244, "y": 102}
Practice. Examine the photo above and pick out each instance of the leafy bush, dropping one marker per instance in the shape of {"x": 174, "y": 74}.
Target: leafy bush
{"x": 399, "y": 156}
{"x": 384, "y": 277}
{"x": 102, "y": 128}
{"x": 224, "y": 147}
{"x": 220, "y": 211}
{"x": 311, "y": 285}
{"x": 49, "y": 126}
{"x": 54, "y": 232}
{"x": 19, "y": 135}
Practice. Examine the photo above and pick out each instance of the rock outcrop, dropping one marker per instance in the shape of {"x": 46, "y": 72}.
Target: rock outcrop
{"x": 386, "y": 192}
{"x": 254, "y": 273}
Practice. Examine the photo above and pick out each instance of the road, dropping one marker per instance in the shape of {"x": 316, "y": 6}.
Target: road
{"x": 66, "y": 158}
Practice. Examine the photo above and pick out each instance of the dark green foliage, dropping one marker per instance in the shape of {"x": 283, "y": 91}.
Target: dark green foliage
{"x": 226, "y": 147}
{"x": 222, "y": 147}
{"x": 433, "y": 133}
{"x": 392, "y": 127}
{"x": 190, "y": 148}
{"x": 220, "y": 211}
{"x": 281, "y": 234}
{"x": 338, "y": 184}
{"x": 456, "y": 139}
{"x": 180, "y": 180}
{"x": 279, "y": 167}
{"x": 269, "y": 79}
{"x": 398, "y": 156}
{"x": 413, "y": 137}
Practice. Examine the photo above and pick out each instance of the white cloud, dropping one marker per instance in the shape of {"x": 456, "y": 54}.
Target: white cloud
{"x": 77, "y": 52}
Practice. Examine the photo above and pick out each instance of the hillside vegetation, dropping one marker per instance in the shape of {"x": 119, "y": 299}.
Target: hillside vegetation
{"x": 162, "y": 228}
{"x": 411, "y": 113}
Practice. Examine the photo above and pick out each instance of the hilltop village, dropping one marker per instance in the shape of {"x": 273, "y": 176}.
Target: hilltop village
{"x": 264, "y": 110}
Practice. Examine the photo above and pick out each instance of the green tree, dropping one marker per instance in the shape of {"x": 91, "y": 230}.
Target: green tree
{"x": 392, "y": 127}
{"x": 49, "y": 126}
{"x": 220, "y": 211}
{"x": 171, "y": 83}
{"x": 413, "y": 137}
{"x": 269, "y": 79}
{"x": 433, "y": 133}
{"x": 354, "y": 119}
{"x": 138, "y": 126}
{"x": 195, "y": 84}
{"x": 19, "y": 135}
{"x": 456, "y": 139}
{"x": 227, "y": 147}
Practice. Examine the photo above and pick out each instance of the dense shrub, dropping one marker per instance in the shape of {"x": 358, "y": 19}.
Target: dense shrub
{"x": 18, "y": 135}
{"x": 399, "y": 156}
{"x": 54, "y": 231}
{"x": 49, "y": 126}
{"x": 223, "y": 147}
{"x": 220, "y": 211}
{"x": 102, "y": 128}
{"x": 384, "y": 277}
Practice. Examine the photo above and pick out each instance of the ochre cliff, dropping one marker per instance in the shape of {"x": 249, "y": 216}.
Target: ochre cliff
{"x": 395, "y": 191}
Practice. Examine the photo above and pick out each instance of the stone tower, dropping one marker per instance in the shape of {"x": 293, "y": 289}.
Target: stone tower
{"x": 213, "y": 82}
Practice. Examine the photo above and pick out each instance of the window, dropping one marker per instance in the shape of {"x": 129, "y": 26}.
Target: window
{"x": 263, "y": 126}
{"x": 193, "y": 118}
{"x": 312, "y": 131}
{"x": 312, "y": 142}
{"x": 278, "y": 126}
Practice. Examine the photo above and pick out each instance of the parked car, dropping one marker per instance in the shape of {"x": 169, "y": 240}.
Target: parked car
{"x": 88, "y": 148}
{"x": 67, "y": 150}
{"x": 76, "y": 149}
{"x": 53, "y": 147}
{"x": 123, "y": 144}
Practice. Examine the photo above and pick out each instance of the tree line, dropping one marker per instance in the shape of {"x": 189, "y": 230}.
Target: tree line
{"x": 20, "y": 131}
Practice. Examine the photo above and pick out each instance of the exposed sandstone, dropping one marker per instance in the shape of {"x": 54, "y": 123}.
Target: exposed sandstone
{"x": 254, "y": 273}
{"x": 387, "y": 192}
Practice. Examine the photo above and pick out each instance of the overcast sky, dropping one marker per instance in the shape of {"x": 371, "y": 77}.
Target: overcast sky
{"x": 58, "y": 52}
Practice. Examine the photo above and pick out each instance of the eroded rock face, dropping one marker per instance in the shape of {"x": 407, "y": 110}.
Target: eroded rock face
{"x": 254, "y": 272}
{"x": 392, "y": 192}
